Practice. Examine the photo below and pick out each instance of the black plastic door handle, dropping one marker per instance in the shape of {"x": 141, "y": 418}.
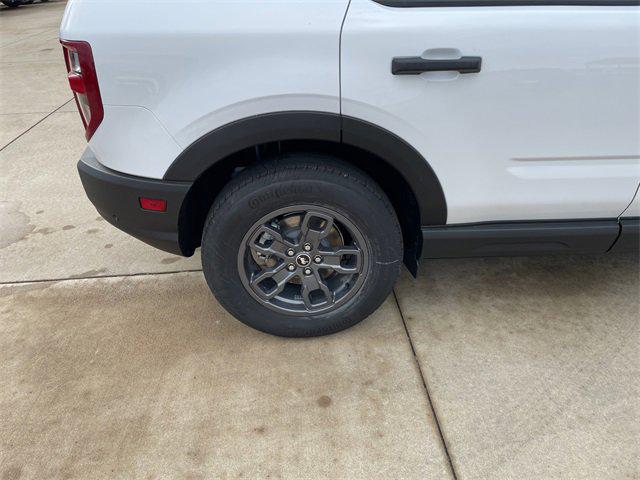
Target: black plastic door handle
{"x": 417, "y": 65}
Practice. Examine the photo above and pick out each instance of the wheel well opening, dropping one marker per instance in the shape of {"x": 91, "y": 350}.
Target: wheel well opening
{"x": 208, "y": 185}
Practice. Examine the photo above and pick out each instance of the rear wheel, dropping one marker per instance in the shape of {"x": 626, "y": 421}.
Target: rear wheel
{"x": 301, "y": 246}
{"x": 12, "y": 3}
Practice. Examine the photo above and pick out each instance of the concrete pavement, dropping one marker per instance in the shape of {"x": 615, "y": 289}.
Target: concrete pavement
{"x": 147, "y": 377}
{"x": 532, "y": 363}
{"x": 116, "y": 362}
{"x": 52, "y": 220}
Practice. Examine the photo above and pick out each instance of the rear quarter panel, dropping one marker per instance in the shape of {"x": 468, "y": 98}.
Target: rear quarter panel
{"x": 197, "y": 65}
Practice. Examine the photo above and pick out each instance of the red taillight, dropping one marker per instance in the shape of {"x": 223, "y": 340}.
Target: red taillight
{"x": 153, "y": 204}
{"x": 76, "y": 82}
{"x": 84, "y": 83}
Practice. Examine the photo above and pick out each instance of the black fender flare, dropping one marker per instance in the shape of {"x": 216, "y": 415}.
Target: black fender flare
{"x": 306, "y": 125}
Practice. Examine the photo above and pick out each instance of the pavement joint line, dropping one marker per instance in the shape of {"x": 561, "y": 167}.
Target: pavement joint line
{"x": 94, "y": 277}
{"x": 36, "y": 124}
{"x": 31, "y": 113}
{"x": 426, "y": 388}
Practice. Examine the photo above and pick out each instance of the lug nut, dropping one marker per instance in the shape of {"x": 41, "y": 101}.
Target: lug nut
{"x": 306, "y": 247}
{"x": 291, "y": 252}
{"x": 307, "y": 271}
{"x": 291, "y": 267}
{"x": 317, "y": 259}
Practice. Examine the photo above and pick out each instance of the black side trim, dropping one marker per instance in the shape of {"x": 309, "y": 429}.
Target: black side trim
{"x": 629, "y": 239}
{"x": 116, "y": 197}
{"x": 504, "y": 3}
{"x": 407, "y": 160}
{"x": 519, "y": 238}
{"x": 245, "y": 133}
{"x": 280, "y": 126}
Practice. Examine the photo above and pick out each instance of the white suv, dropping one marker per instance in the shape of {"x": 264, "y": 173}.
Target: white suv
{"x": 310, "y": 147}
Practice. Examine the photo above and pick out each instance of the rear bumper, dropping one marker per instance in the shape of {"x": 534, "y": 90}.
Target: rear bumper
{"x": 116, "y": 197}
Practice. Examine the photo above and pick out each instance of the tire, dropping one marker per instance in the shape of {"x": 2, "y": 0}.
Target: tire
{"x": 12, "y": 3}
{"x": 308, "y": 201}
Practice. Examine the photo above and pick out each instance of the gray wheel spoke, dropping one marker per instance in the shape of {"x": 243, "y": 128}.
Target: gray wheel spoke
{"x": 276, "y": 246}
{"x": 266, "y": 273}
{"x": 311, "y": 283}
{"x": 314, "y": 227}
{"x": 279, "y": 274}
{"x": 281, "y": 278}
{"x": 333, "y": 260}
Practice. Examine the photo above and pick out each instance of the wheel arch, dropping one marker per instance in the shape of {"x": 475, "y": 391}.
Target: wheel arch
{"x": 210, "y": 161}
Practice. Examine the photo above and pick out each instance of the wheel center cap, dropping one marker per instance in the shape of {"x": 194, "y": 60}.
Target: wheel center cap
{"x": 303, "y": 260}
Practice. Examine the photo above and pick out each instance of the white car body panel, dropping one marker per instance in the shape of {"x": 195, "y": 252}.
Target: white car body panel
{"x": 140, "y": 136}
{"x": 547, "y": 130}
{"x": 633, "y": 210}
{"x": 200, "y": 65}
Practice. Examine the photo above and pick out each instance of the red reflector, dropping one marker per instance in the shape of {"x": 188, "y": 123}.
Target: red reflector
{"x": 154, "y": 204}
{"x": 76, "y": 83}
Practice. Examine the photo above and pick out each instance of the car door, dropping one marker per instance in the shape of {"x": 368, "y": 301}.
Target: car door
{"x": 546, "y": 129}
